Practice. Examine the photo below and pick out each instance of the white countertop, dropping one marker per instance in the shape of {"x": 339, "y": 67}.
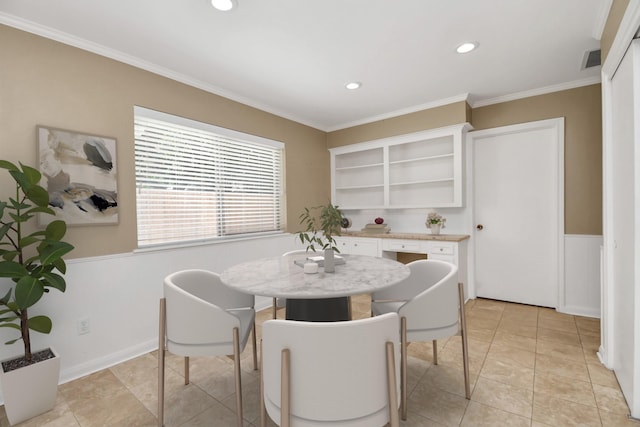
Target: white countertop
{"x": 280, "y": 277}
{"x": 409, "y": 236}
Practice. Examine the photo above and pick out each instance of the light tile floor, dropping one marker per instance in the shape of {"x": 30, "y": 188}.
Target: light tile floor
{"x": 529, "y": 366}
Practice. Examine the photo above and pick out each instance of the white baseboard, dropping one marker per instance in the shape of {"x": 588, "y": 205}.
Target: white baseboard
{"x": 107, "y": 361}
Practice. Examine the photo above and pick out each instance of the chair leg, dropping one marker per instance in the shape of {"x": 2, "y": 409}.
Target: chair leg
{"x": 465, "y": 347}
{"x": 255, "y": 349}
{"x": 275, "y": 308}
{"x": 435, "y": 351}
{"x": 161, "y": 355}
{"x": 285, "y": 389}
{"x": 186, "y": 371}
{"x": 403, "y": 367}
{"x": 236, "y": 365}
{"x": 392, "y": 389}
{"x": 263, "y": 409}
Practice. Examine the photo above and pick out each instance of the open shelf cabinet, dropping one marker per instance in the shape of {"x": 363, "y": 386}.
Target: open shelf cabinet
{"x": 417, "y": 170}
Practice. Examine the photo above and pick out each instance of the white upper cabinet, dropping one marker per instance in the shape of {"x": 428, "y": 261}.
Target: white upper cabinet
{"x": 417, "y": 170}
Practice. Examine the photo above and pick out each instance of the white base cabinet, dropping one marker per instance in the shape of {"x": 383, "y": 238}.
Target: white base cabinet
{"x": 449, "y": 251}
{"x": 358, "y": 246}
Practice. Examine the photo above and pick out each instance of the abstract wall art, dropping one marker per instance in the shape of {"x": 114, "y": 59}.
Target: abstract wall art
{"x": 79, "y": 172}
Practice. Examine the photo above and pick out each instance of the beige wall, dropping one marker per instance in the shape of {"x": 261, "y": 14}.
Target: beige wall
{"x": 49, "y": 83}
{"x": 433, "y": 118}
{"x": 43, "y": 82}
{"x": 581, "y": 109}
{"x": 618, "y": 7}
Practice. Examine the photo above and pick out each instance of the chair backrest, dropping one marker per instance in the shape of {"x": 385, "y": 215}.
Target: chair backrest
{"x": 434, "y": 312}
{"x": 338, "y": 370}
{"x": 196, "y": 304}
{"x": 300, "y": 251}
{"x": 425, "y": 273}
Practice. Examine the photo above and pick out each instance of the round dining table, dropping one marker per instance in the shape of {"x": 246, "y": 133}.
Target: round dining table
{"x": 317, "y": 296}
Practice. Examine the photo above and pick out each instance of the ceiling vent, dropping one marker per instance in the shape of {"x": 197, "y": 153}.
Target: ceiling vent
{"x": 591, "y": 59}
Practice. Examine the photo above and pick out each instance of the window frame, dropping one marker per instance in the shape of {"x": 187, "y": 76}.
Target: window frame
{"x": 226, "y": 134}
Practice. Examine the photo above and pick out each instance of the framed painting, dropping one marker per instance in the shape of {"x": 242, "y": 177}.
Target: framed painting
{"x": 79, "y": 172}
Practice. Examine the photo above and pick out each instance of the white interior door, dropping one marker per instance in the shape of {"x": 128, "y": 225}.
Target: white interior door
{"x": 518, "y": 211}
{"x": 623, "y": 196}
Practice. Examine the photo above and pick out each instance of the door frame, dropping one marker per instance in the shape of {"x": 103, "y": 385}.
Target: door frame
{"x": 557, "y": 125}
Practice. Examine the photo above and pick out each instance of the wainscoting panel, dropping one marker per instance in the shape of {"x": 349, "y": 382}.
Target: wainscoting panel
{"x": 582, "y": 275}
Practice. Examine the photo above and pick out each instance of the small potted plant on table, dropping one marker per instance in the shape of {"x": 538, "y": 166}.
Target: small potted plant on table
{"x": 28, "y": 264}
{"x": 319, "y": 231}
{"x": 435, "y": 222}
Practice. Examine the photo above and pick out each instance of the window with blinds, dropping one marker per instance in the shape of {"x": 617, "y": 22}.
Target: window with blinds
{"x": 196, "y": 181}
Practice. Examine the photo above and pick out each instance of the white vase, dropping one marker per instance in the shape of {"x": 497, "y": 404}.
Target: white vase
{"x": 435, "y": 228}
{"x": 31, "y": 390}
{"x": 329, "y": 261}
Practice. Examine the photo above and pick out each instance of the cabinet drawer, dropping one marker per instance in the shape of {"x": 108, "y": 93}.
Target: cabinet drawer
{"x": 441, "y": 249}
{"x": 402, "y": 246}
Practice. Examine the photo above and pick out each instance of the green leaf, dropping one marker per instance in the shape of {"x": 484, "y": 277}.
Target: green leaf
{"x": 29, "y": 290}
{"x": 32, "y": 175}
{"x": 9, "y": 255}
{"x": 37, "y": 195}
{"x": 12, "y": 269}
{"x": 55, "y": 281}
{"x": 5, "y": 299}
{"x": 10, "y": 325}
{"x": 40, "y": 324}
{"x": 41, "y": 209}
{"x": 10, "y": 318}
{"x": 4, "y": 164}
{"x": 51, "y": 252}
{"x": 12, "y": 341}
{"x": 20, "y": 178}
{"x": 56, "y": 230}
{"x": 60, "y": 265}
{"x": 4, "y": 229}
{"x": 29, "y": 240}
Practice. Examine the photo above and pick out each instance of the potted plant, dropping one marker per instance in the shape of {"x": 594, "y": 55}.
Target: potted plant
{"x": 321, "y": 224}
{"x": 31, "y": 265}
{"x": 435, "y": 222}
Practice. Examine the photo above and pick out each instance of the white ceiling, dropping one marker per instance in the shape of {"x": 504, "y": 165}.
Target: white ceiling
{"x": 293, "y": 57}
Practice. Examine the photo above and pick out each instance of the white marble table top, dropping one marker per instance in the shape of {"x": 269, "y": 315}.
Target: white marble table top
{"x": 280, "y": 277}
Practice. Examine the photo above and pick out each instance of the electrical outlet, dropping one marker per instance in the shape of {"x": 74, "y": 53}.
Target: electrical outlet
{"x": 84, "y": 327}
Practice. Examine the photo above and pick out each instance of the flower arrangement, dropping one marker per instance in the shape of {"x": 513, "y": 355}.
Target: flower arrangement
{"x": 434, "y": 218}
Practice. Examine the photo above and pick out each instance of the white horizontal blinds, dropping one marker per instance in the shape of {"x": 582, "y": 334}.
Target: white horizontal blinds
{"x": 193, "y": 184}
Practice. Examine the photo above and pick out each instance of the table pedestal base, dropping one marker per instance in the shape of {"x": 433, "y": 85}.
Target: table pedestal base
{"x": 318, "y": 310}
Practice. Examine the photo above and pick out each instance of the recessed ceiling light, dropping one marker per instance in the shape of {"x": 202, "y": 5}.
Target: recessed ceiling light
{"x": 223, "y": 5}
{"x": 466, "y": 47}
{"x": 353, "y": 85}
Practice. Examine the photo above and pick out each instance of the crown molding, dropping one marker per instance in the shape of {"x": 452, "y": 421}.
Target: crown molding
{"x": 101, "y": 50}
{"x": 401, "y": 112}
{"x": 535, "y": 92}
{"x": 98, "y": 49}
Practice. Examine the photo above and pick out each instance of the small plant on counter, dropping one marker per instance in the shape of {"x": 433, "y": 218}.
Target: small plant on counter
{"x": 434, "y": 218}
{"x": 29, "y": 260}
{"x": 319, "y": 228}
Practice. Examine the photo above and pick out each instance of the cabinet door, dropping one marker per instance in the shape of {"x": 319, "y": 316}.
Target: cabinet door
{"x": 409, "y": 246}
{"x": 357, "y": 246}
{"x": 364, "y": 247}
{"x": 443, "y": 251}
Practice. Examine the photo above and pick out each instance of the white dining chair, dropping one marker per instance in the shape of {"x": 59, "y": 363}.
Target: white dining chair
{"x": 200, "y": 316}
{"x": 330, "y": 374}
{"x": 430, "y": 303}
